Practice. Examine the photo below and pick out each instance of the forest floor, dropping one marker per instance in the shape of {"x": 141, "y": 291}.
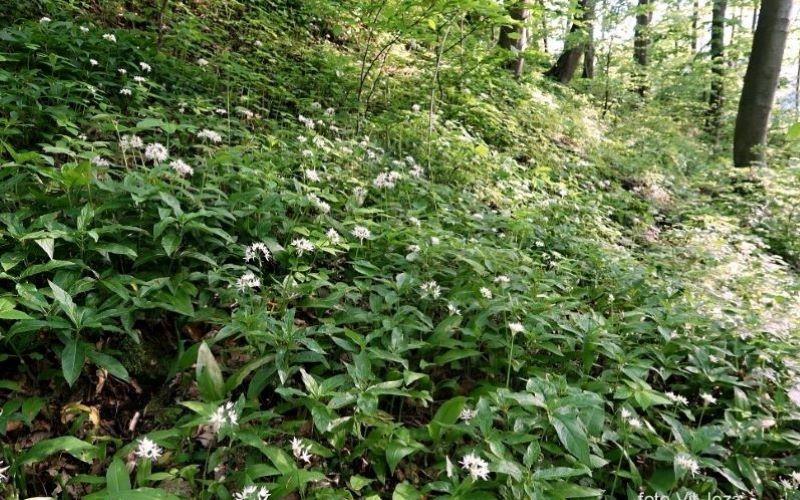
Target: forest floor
{"x": 220, "y": 273}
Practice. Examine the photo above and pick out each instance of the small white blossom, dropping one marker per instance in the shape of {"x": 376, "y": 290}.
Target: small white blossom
{"x": 202, "y": 62}
{"x": 256, "y": 251}
{"x": 333, "y": 236}
{"x": 224, "y": 416}
{"x": 181, "y": 167}
{"x": 414, "y": 248}
{"x": 453, "y": 309}
{"x": 148, "y": 449}
{"x": 212, "y": 136}
{"x": 221, "y": 111}
{"x": 486, "y": 292}
{"x": 84, "y": 29}
{"x": 139, "y": 79}
{"x": 100, "y": 161}
{"x": 301, "y": 451}
{"x": 708, "y": 398}
{"x": 125, "y": 91}
{"x": 122, "y": 71}
{"x": 415, "y": 221}
{"x": 252, "y": 492}
{"x": 3, "y": 475}
{"x": 156, "y": 152}
{"x": 686, "y": 462}
{"x": 312, "y": 175}
{"x": 145, "y": 67}
{"x": 435, "y": 241}
{"x": 635, "y": 423}
{"x": 416, "y": 108}
{"x": 110, "y": 37}
{"x": 516, "y": 328}
{"x": 127, "y": 142}
{"x": 302, "y": 245}
{"x": 676, "y": 398}
{"x": 430, "y": 289}
{"x": 467, "y": 414}
{"x": 93, "y": 62}
{"x": 362, "y": 233}
{"x": 502, "y": 279}
{"x": 477, "y": 467}
{"x": 794, "y": 394}
{"x": 248, "y": 281}
{"x": 45, "y": 20}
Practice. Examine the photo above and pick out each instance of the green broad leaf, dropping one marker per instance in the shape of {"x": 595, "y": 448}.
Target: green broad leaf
{"x": 357, "y": 483}
{"x": 66, "y": 303}
{"x": 170, "y": 242}
{"x": 73, "y": 358}
{"x": 81, "y": 450}
{"x": 569, "y": 490}
{"x": 117, "y": 478}
{"x": 208, "y": 375}
{"x": 137, "y": 494}
{"x": 396, "y": 451}
{"x": 48, "y": 245}
{"x": 149, "y": 123}
{"x": 115, "y": 248}
{"x": 446, "y": 415}
{"x": 110, "y": 363}
{"x": 794, "y": 132}
{"x": 572, "y": 434}
{"x": 558, "y": 473}
{"x": 7, "y": 311}
{"x": 405, "y": 491}
{"x": 241, "y": 374}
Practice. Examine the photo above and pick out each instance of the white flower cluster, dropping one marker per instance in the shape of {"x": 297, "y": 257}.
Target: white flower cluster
{"x": 252, "y": 492}
{"x": 99, "y": 161}
{"x": 3, "y": 469}
{"x": 686, "y": 462}
{"x": 516, "y": 328}
{"x": 794, "y": 394}
{"x": 128, "y": 142}
{"x": 333, "y": 236}
{"x": 677, "y": 398}
{"x": 224, "y": 416}
{"x": 248, "y": 281}
{"x": 477, "y": 467}
{"x": 308, "y": 122}
{"x": 387, "y": 180}
{"x": 430, "y": 289}
{"x": 301, "y": 451}
{"x": 321, "y": 204}
{"x": 467, "y": 414}
{"x": 302, "y": 246}
{"x": 181, "y": 167}
{"x": 212, "y": 136}
{"x": 362, "y": 233}
{"x": 147, "y": 449}
{"x": 256, "y": 251}
{"x": 156, "y": 152}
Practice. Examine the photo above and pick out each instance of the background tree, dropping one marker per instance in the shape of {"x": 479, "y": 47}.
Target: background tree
{"x": 716, "y": 96}
{"x": 515, "y": 37}
{"x": 641, "y": 42}
{"x": 574, "y": 45}
{"x": 760, "y": 82}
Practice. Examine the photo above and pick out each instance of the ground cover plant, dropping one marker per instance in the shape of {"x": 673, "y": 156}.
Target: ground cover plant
{"x": 326, "y": 249}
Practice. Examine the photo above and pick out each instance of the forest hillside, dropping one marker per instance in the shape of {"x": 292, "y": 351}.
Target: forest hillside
{"x": 259, "y": 249}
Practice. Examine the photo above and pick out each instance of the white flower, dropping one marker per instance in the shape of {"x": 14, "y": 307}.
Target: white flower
{"x": 467, "y": 414}
{"x": 322, "y": 205}
{"x": 414, "y": 248}
{"x": 312, "y": 175}
{"x": 307, "y": 153}
{"x": 430, "y": 289}
{"x": 301, "y": 451}
{"x": 435, "y": 241}
{"x": 416, "y": 108}
{"x": 502, "y": 279}
{"x": 145, "y": 67}
{"x": 766, "y": 423}
{"x": 794, "y": 394}
{"x": 156, "y": 152}
{"x": 148, "y": 449}
{"x": 360, "y": 193}
{"x": 486, "y": 292}
{"x": 45, "y": 20}
{"x": 110, "y": 37}
{"x": 416, "y": 171}
{"x": 308, "y": 122}
{"x": 415, "y": 221}
{"x": 100, "y": 161}
{"x": 362, "y": 233}
{"x": 248, "y": 281}
{"x": 258, "y": 43}
{"x": 330, "y": 111}
{"x": 210, "y": 135}
{"x": 795, "y": 477}
{"x": 449, "y": 467}
{"x": 202, "y": 62}
{"x": 386, "y": 180}
{"x": 477, "y": 467}
{"x": 635, "y": 423}
{"x": 626, "y": 413}
{"x": 3, "y": 476}
{"x": 125, "y": 91}
{"x": 708, "y": 398}
{"x": 93, "y": 62}
{"x": 122, "y": 71}
{"x": 84, "y": 29}
{"x": 453, "y": 309}
{"x": 130, "y": 142}
{"x": 686, "y": 462}
{"x": 252, "y": 492}
{"x": 181, "y": 167}
{"x": 302, "y": 245}
{"x": 516, "y": 328}
{"x": 224, "y": 416}
{"x": 333, "y": 236}
{"x": 139, "y": 79}
{"x": 252, "y": 252}
{"x": 676, "y": 398}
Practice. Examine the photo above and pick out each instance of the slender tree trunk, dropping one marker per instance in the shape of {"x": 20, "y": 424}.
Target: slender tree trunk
{"x": 566, "y": 65}
{"x": 695, "y": 22}
{"x": 754, "y": 19}
{"x": 516, "y": 37}
{"x": 545, "y": 30}
{"x": 760, "y": 82}
{"x": 797, "y": 90}
{"x": 588, "y": 52}
{"x": 716, "y": 96}
{"x": 641, "y": 42}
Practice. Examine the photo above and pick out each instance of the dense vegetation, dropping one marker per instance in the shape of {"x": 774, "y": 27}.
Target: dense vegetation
{"x": 336, "y": 250}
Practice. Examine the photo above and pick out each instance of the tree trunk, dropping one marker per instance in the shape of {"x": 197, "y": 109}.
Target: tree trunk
{"x": 588, "y": 52}
{"x": 564, "y": 68}
{"x": 716, "y": 96}
{"x": 516, "y": 37}
{"x": 641, "y": 42}
{"x": 760, "y": 82}
{"x": 797, "y": 91}
{"x": 695, "y": 22}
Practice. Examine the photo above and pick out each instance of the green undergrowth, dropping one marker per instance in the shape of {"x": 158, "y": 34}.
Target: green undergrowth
{"x": 506, "y": 296}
